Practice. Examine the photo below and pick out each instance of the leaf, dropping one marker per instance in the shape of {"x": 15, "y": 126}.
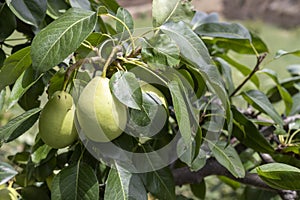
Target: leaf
{"x": 199, "y": 190}
{"x": 2, "y": 55}
{"x": 75, "y": 182}
{"x": 84, "y": 4}
{"x": 8, "y": 23}
{"x": 223, "y": 30}
{"x": 226, "y": 73}
{"x": 228, "y": 157}
{"x": 281, "y": 53}
{"x": 122, "y": 184}
{"x": 160, "y": 52}
{"x": 280, "y": 176}
{"x": 181, "y": 112}
{"x": 16, "y": 125}
{"x": 285, "y": 95}
{"x": 111, "y": 5}
{"x": 289, "y": 84}
{"x": 126, "y": 89}
{"x": 294, "y": 70}
{"x": 31, "y": 12}
{"x": 23, "y": 83}
{"x": 7, "y": 172}
{"x": 14, "y": 66}
{"x": 162, "y": 10}
{"x": 56, "y": 8}
{"x": 160, "y": 183}
{"x": 242, "y": 46}
{"x": 60, "y": 38}
{"x": 34, "y": 192}
{"x": 194, "y": 51}
{"x": 246, "y": 132}
{"x": 202, "y": 17}
{"x": 126, "y": 18}
{"x": 40, "y": 153}
{"x": 260, "y": 101}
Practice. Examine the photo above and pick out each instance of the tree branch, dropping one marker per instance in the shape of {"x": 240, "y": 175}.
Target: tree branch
{"x": 213, "y": 167}
{"x": 255, "y": 69}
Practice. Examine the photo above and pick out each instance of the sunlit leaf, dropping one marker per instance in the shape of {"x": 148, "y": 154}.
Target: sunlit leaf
{"x": 61, "y": 38}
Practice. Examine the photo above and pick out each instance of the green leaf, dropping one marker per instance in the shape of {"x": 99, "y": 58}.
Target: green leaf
{"x": 34, "y": 192}
{"x": 160, "y": 183}
{"x": 285, "y": 95}
{"x": 280, "y": 176}
{"x": 126, "y": 88}
{"x": 242, "y": 46}
{"x": 60, "y": 38}
{"x": 8, "y": 23}
{"x": 14, "y": 66}
{"x": 194, "y": 51}
{"x": 2, "y": 57}
{"x": 56, "y": 8}
{"x": 181, "y": 112}
{"x": 56, "y": 82}
{"x": 40, "y": 153}
{"x": 226, "y": 73}
{"x": 289, "y": 84}
{"x": 18, "y": 125}
{"x": 122, "y": 184}
{"x": 294, "y": 70}
{"x": 126, "y": 18}
{"x": 31, "y": 98}
{"x": 7, "y": 172}
{"x": 223, "y": 30}
{"x": 77, "y": 182}
{"x": 84, "y": 4}
{"x": 228, "y": 157}
{"x": 160, "y": 52}
{"x": 111, "y": 5}
{"x": 23, "y": 83}
{"x": 31, "y": 12}
{"x": 162, "y": 10}
{"x": 261, "y": 102}
{"x": 281, "y": 53}
{"x": 251, "y": 193}
{"x": 199, "y": 190}
{"x": 247, "y": 133}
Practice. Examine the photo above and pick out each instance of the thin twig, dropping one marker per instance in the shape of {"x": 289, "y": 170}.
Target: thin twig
{"x": 255, "y": 69}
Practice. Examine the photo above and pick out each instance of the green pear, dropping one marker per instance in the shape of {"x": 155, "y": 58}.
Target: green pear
{"x": 56, "y": 123}
{"x": 101, "y": 116}
{"x": 8, "y": 193}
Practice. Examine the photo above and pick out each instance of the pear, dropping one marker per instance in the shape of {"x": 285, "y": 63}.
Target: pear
{"x": 56, "y": 123}
{"x": 8, "y": 193}
{"x": 101, "y": 116}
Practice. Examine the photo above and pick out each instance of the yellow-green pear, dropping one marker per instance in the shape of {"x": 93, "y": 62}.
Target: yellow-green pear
{"x": 56, "y": 123}
{"x": 101, "y": 116}
{"x": 8, "y": 193}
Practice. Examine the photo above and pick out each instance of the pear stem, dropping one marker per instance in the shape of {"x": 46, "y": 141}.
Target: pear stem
{"x": 109, "y": 59}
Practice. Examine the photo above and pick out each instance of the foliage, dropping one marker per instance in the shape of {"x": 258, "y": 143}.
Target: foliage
{"x": 211, "y": 126}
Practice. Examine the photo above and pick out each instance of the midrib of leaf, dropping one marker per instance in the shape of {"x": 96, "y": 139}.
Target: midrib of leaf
{"x": 58, "y": 39}
{"x": 77, "y": 178}
{"x": 172, "y": 12}
{"x": 120, "y": 178}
